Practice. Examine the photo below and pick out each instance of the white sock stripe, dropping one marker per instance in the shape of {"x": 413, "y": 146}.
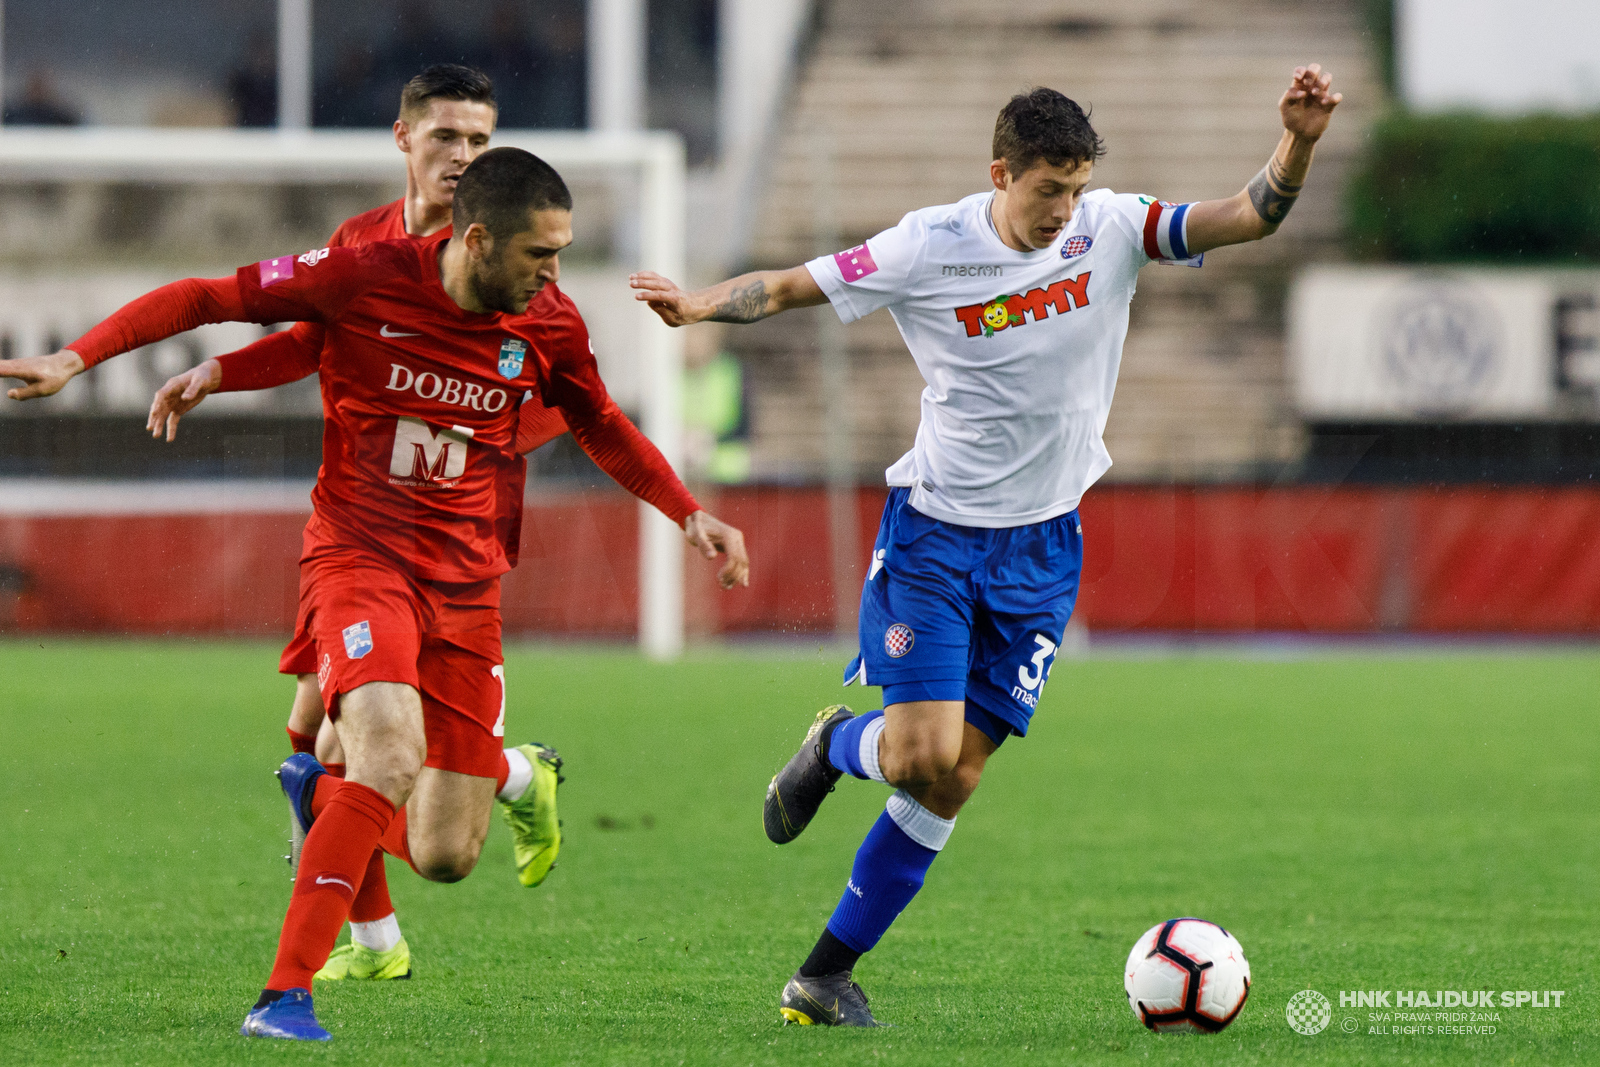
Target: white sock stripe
{"x": 379, "y": 935}
{"x": 919, "y": 824}
{"x": 519, "y": 778}
{"x": 869, "y": 750}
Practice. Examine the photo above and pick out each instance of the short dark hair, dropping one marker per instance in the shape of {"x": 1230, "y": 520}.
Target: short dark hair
{"x": 502, "y": 188}
{"x": 1044, "y": 124}
{"x": 445, "y": 81}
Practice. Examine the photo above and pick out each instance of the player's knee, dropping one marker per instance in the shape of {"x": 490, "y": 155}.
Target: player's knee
{"x": 391, "y": 768}
{"x": 921, "y": 763}
{"x": 445, "y": 864}
{"x": 962, "y": 781}
{"x": 445, "y": 871}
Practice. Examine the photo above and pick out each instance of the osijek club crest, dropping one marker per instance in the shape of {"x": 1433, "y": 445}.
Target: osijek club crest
{"x": 512, "y": 354}
{"x": 358, "y": 639}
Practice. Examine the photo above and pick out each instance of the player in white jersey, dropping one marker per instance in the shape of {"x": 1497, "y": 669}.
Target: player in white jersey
{"x": 1014, "y": 303}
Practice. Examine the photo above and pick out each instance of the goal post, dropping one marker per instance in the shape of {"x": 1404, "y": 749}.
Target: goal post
{"x": 649, "y": 170}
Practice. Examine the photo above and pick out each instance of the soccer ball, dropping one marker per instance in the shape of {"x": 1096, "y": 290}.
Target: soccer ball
{"x": 1187, "y": 975}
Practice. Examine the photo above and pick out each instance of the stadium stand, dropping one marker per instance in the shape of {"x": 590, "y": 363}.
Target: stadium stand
{"x": 902, "y": 94}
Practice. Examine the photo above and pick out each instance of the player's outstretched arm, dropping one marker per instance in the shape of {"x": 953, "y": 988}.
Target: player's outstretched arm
{"x": 712, "y": 537}
{"x": 277, "y": 359}
{"x": 747, "y": 298}
{"x": 159, "y": 314}
{"x": 182, "y": 393}
{"x": 1259, "y": 209}
{"x": 633, "y": 462}
{"x": 41, "y": 375}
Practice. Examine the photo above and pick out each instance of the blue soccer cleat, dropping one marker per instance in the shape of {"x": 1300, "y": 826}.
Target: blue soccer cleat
{"x": 289, "y": 1017}
{"x": 298, "y": 776}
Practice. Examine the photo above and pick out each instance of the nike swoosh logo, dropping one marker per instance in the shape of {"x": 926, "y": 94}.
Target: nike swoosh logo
{"x": 831, "y": 1013}
{"x": 386, "y": 332}
{"x": 335, "y": 881}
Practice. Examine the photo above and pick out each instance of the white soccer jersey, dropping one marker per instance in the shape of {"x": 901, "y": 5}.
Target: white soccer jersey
{"x": 1019, "y": 350}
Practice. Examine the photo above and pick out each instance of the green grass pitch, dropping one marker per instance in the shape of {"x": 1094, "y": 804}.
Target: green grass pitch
{"x": 1360, "y": 821}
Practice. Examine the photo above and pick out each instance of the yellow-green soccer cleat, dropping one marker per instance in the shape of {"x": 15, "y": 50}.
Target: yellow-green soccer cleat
{"x": 358, "y": 962}
{"x": 535, "y": 826}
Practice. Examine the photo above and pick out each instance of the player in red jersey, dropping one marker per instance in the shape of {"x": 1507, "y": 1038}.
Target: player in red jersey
{"x": 447, "y": 115}
{"x": 427, "y": 358}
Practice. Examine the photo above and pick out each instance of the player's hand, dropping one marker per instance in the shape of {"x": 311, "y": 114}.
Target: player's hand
{"x": 42, "y": 375}
{"x": 664, "y": 297}
{"x": 1309, "y": 102}
{"x": 712, "y": 536}
{"x": 180, "y": 395}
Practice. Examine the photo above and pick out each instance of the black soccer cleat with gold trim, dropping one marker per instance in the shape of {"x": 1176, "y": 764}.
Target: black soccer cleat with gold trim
{"x": 796, "y": 792}
{"x": 832, "y": 1000}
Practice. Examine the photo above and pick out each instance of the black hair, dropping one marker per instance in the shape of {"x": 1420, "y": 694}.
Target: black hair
{"x": 445, "y": 81}
{"x": 502, "y": 188}
{"x": 1044, "y": 124}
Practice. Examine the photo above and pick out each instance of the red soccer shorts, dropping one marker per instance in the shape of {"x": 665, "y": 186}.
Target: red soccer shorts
{"x": 371, "y": 622}
{"x": 300, "y": 654}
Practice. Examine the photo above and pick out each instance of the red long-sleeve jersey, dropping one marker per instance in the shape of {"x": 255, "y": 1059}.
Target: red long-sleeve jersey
{"x": 295, "y": 353}
{"x": 292, "y": 354}
{"x": 421, "y": 399}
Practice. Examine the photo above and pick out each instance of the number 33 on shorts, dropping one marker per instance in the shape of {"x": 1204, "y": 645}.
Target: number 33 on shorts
{"x": 1032, "y": 675}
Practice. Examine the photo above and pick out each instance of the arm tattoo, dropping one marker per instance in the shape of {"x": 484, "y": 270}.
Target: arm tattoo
{"x": 745, "y": 304}
{"x": 1271, "y": 194}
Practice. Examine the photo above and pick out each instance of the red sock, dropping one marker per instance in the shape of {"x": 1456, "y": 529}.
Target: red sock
{"x": 306, "y": 743}
{"x": 327, "y": 787}
{"x": 394, "y": 839}
{"x": 336, "y": 854}
{"x": 372, "y": 899}
{"x": 505, "y": 772}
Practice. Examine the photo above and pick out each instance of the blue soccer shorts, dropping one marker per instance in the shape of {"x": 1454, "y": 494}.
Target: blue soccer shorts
{"x": 966, "y": 613}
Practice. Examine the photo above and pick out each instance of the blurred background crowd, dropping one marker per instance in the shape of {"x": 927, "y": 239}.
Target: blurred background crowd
{"x": 201, "y": 63}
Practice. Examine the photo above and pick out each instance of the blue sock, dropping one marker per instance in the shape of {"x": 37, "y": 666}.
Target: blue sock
{"x": 888, "y": 871}
{"x": 844, "y": 747}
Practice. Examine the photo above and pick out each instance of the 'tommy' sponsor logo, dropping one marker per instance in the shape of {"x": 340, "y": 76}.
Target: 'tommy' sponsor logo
{"x": 1003, "y": 312}
{"x": 430, "y": 386}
